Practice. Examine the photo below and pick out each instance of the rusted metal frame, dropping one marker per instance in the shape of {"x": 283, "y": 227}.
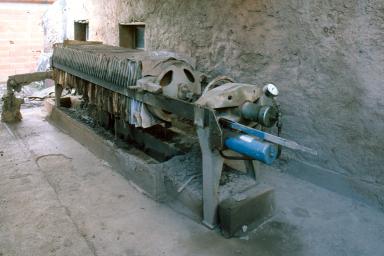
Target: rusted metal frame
{"x": 208, "y": 130}
{"x": 211, "y": 143}
{"x": 180, "y": 108}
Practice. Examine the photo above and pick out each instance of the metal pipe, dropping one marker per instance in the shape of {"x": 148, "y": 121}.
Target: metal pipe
{"x": 253, "y": 148}
{"x": 267, "y": 137}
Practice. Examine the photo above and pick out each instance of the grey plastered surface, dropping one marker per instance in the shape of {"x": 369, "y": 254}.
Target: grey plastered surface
{"x": 325, "y": 56}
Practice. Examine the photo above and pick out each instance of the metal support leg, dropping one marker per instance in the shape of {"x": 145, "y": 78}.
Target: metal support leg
{"x": 58, "y": 92}
{"x": 251, "y": 171}
{"x": 212, "y": 168}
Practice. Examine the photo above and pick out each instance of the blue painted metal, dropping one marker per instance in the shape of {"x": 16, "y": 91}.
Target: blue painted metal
{"x": 252, "y": 147}
{"x": 269, "y": 137}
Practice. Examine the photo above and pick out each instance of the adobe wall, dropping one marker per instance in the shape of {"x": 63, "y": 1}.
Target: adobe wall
{"x": 21, "y": 38}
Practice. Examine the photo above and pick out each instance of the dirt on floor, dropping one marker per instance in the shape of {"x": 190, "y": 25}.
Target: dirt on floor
{"x": 56, "y": 198}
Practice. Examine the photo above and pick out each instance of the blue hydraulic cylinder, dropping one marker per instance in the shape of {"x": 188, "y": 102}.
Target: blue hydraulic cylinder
{"x": 250, "y": 146}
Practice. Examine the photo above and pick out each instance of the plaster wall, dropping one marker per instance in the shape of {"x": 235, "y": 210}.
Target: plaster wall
{"x": 325, "y": 56}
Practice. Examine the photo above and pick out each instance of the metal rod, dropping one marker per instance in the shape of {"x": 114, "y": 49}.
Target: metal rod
{"x": 268, "y": 137}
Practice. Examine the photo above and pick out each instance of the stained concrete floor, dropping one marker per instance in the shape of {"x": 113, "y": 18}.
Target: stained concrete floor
{"x": 56, "y": 198}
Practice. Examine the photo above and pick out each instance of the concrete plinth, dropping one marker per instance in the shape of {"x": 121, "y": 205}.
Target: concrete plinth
{"x": 178, "y": 182}
{"x": 133, "y": 164}
{"x": 11, "y": 109}
{"x": 246, "y": 210}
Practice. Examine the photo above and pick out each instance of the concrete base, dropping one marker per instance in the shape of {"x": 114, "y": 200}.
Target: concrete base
{"x": 178, "y": 182}
{"x": 357, "y": 189}
{"x": 131, "y": 163}
{"x": 11, "y": 109}
{"x": 246, "y": 210}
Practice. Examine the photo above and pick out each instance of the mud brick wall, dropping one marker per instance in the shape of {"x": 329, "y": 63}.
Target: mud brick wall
{"x": 21, "y": 37}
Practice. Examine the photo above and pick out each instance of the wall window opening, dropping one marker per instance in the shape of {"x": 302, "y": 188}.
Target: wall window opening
{"x": 81, "y": 32}
{"x": 132, "y": 35}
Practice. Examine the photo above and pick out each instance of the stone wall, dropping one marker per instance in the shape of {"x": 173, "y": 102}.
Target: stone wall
{"x": 325, "y": 56}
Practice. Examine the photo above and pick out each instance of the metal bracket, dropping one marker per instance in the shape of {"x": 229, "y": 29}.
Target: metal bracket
{"x": 212, "y": 168}
{"x": 251, "y": 171}
{"x": 211, "y": 142}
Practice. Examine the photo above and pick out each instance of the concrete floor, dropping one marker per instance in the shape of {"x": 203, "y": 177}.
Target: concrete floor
{"x": 56, "y": 198}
